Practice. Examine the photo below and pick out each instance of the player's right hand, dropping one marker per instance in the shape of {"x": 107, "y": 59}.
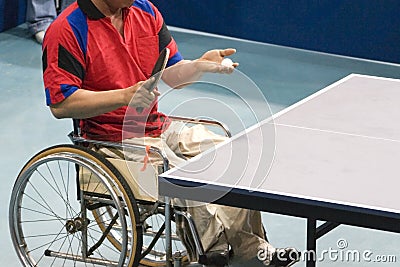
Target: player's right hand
{"x": 139, "y": 96}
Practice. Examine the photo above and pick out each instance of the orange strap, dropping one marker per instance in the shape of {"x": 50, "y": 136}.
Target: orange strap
{"x": 145, "y": 159}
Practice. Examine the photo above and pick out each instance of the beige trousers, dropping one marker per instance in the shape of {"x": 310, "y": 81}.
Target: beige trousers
{"x": 218, "y": 226}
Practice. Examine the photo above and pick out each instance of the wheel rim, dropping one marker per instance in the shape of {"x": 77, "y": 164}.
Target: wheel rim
{"x": 44, "y": 236}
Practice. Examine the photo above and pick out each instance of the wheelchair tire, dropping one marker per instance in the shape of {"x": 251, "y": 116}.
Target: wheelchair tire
{"x": 49, "y": 216}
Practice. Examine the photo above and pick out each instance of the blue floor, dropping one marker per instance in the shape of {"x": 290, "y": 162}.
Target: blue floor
{"x": 282, "y": 75}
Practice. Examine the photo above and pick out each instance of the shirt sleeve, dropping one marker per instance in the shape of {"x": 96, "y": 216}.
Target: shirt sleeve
{"x": 165, "y": 39}
{"x": 63, "y": 62}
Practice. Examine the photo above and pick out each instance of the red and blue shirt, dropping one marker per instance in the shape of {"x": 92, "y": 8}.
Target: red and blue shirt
{"x": 82, "y": 49}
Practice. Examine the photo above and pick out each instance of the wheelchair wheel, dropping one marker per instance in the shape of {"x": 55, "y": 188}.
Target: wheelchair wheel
{"x": 50, "y": 216}
{"x": 154, "y": 239}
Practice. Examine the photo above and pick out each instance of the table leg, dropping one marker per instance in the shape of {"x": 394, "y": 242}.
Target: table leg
{"x": 168, "y": 232}
{"x": 311, "y": 243}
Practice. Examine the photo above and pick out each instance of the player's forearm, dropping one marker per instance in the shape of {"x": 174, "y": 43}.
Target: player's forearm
{"x": 85, "y": 104}
{"x": 181, "y": 74}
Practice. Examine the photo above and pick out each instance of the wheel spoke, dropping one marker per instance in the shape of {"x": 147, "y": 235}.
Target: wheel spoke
{"x": 63, "y": 199}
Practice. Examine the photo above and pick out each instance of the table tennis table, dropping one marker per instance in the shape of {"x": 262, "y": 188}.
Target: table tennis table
{"x": 332, "y": 157}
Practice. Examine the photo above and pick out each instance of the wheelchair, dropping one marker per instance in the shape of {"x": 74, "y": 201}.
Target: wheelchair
{"x": 71, "y": 206}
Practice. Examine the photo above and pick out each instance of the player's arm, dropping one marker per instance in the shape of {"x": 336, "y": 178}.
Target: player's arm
{"x": 84, "y": 104}
{"x": 188, "y": 71}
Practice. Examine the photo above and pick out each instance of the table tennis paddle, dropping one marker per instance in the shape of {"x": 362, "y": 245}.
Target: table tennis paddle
{"x": 156, "y": 73}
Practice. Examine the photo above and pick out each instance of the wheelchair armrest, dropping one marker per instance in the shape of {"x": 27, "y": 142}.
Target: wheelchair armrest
{"x": 79, "y": 140}
{"x": 219, "y": 124}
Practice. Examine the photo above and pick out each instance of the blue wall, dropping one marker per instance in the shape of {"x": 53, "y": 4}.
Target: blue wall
{"x": 361, "y": 28}
{"x": 12, "y": 13}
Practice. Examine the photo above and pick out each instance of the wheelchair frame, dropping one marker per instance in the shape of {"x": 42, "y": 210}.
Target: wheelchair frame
{"x": 117, "y": 197}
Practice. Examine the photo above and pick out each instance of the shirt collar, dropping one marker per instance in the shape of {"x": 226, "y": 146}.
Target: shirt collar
{"x": 90, "y": 9}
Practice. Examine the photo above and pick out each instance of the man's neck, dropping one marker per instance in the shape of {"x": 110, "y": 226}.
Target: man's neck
{"x": 106, "y": 9}
{"x": 115, "y": 14}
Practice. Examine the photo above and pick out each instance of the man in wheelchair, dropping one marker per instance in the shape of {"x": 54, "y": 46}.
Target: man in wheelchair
{"x": 96, "y": 57}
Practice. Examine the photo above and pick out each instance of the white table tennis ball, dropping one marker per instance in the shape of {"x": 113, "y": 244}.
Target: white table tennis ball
{"x": 227, "y": 62}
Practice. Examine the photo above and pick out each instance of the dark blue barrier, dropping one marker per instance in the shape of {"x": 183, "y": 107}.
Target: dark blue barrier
{"x": 12, "y": 13}
{"x": 358, "y": 28}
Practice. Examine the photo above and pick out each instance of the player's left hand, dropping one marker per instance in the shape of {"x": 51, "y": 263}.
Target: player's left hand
{"x": 211, "y": 60}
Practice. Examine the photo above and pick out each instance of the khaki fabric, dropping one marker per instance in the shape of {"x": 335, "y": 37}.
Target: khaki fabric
{"x": 219, "y": 227}
{"x": 223, "y": 226}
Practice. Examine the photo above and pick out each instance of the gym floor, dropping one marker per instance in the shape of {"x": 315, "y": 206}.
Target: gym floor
{"x": 283, "y": 76}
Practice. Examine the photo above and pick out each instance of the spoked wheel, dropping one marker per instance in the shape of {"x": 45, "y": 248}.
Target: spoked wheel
{"x": 154, "y": 238}
{"x": 50, "y": 219}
